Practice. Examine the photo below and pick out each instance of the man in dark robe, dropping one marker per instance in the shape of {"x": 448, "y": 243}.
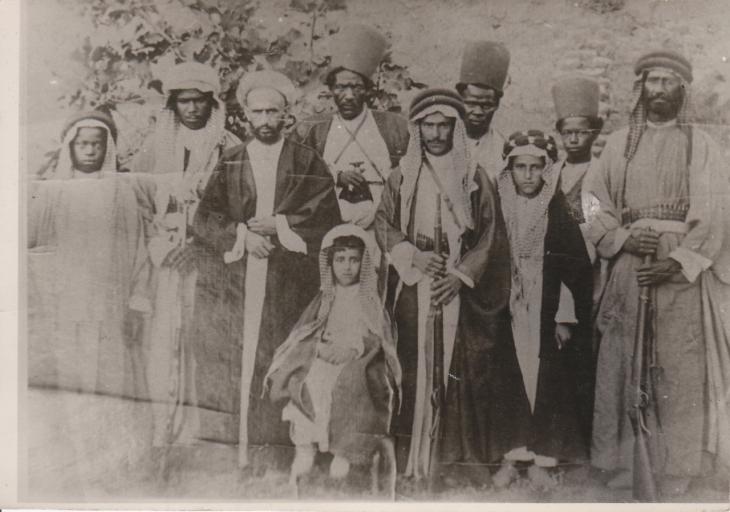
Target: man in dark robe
{"x": 258, "y": 230}
{"x": 471, "y": 282}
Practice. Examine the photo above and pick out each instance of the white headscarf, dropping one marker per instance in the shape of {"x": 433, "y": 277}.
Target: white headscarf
{"x": 461, "y": 184}
{"x": 65, "y": 168}
{"x": 204, "y": 155}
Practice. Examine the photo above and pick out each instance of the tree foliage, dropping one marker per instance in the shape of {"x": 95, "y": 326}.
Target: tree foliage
{"x": 131, "y": 42}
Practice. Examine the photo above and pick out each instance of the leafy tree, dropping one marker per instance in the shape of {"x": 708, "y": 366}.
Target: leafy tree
{"x": 130, "y": 42}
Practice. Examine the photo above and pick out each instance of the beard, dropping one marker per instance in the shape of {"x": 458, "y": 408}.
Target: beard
{"x": 268, "y": 134}
{"x": 663, "y": 105}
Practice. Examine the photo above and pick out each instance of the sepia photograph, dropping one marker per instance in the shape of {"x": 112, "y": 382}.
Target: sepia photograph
{"x": 384, "y": 251}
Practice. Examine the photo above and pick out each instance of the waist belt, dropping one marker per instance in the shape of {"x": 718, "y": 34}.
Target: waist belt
{"x": 673, "y": 212}
{"x": 425, "y": 243}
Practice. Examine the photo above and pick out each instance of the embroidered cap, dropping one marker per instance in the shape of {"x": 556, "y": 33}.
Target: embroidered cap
{"x": 530, "y": 142}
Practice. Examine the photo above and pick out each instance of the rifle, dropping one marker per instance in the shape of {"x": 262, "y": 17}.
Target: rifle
{"x": 643, "y": 412}
{"x": 438, "y": 390}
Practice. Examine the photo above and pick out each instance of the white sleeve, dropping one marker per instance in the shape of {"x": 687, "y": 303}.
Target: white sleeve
{"x": 401, "y": 257}
{"x": 288, "y": 238}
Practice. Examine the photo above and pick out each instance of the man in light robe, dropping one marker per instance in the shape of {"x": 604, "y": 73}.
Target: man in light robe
{"x": 360, "y": 145}
{"x": 662, "y": 192}
{"x": 181, "y": 153}
{"x": 471, "y": 280}
{"x": 88, "y": 293}
{"x": 484, "y": 67}
{"x": 257, "y": 234}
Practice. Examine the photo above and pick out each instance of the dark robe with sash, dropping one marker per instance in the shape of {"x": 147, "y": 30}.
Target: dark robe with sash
{"x": 304, "y": 194}
{"x": 482, "y": 420}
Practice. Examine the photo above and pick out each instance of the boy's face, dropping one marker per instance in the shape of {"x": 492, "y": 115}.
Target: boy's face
{"x": 578, "y": 136}
{"x": 88, "y": 149}
{"x": 346, "y": 266}
{"x": 527, "y": 174}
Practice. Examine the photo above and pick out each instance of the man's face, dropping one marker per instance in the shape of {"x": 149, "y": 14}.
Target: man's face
{"x": 346, "y": 266}
{"x": 663, "y": 94}
{"x": 480, "y": 104}
{"x": 437, "y": 133}
{"x": 527, "y": 174}
{"x": 266, "y": 113}
{"x": 350, "y": 92}
{"x": 193, "y": 108}
{"x": 578, "y": 136}
{"x": 88, "y": 149}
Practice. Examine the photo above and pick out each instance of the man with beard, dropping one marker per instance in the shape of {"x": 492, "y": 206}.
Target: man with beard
{"x": 257, "y": 232}
{"x": 662, "y": 193}
{"x": 484, "y": 67}
{"x": 471, "y": 280}
{"x": 361, "y": 146}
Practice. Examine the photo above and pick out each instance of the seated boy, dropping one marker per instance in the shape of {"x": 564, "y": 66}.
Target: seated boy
{"x": 338, "y": 368}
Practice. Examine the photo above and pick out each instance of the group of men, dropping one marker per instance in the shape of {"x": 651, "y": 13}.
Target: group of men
{"x": 198, "y": 264}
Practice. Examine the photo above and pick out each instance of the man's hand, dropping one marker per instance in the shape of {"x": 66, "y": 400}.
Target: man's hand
{"x": 182, "y": 260}
{"x": 258, "y": 245}
{"x": 657, "y": 272}
{"x": 445, "y": 289}
{"x": 430, "y": 263}
{"x": 264, "y": 226}
{"x": 350, "y": 178}
{"x": 334, "y": 354}
{"x": 642, "y": 242}
{"x": 563, "y": 334}
{"x": 133, "y": 327}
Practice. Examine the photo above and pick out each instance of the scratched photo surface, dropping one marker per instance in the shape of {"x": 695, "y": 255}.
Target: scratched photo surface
{"x": 392, "y": 250}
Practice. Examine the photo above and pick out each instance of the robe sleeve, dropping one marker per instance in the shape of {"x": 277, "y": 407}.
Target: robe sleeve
{"x": 387, "y": 233}
{"x": 604, "y": 230}
{"x": 42, "y": 198}
{"x": 391, "y": 240}
{"x": 474, "y": 262}
{"x": 576, "y": 271}
{"x": 212, "y": 225}
{"x": 144, "y": 160}
{"x": 707, "y": 215}
{"x": 142, "y": 275}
